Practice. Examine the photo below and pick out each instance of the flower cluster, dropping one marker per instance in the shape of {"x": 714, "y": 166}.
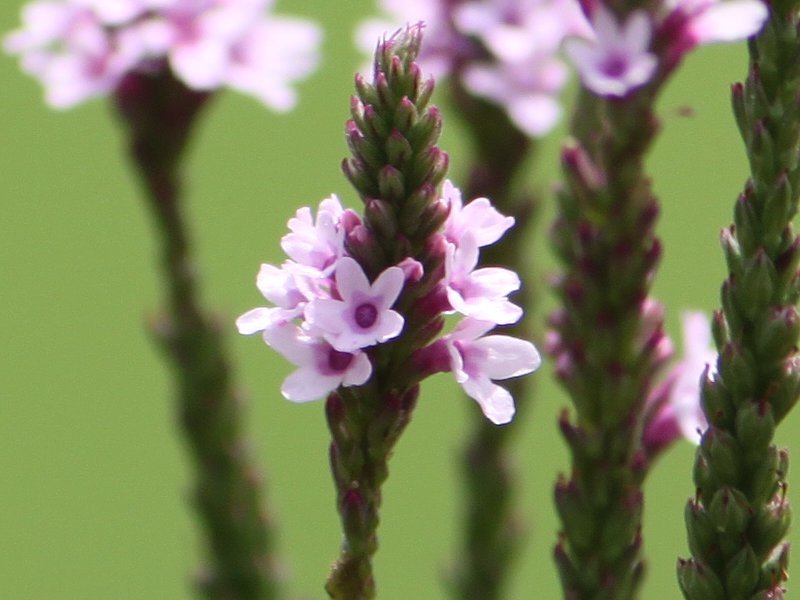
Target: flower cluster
{"x": 327, "y": 314}
{"x": 505, "y": 51}
{"x": 79, "y": 49}
{"x": 618, "y": 57}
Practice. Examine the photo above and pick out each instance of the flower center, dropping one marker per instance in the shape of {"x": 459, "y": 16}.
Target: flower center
{"x": 339, "y": 361}
{"x": 365, "y": 315}
{"x": 615, "y": 66}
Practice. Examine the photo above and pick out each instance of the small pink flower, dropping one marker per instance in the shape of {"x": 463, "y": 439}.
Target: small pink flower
{"x": 288, "y": 288}
{"x": 479, "y": 217}
{"x": 479, "y": 293}
{"x": 317, "y": 244}
{"x": 322, "y": 368}
{"x": 363, "y": 317}
{"x": 476, "y": 360}
{"x": 618, "y": 59}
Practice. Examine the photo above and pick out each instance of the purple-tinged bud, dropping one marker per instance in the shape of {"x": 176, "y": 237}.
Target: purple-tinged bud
{"x": 700, "y": 528}
{"x": 359, "y": 178}
{"x": 375, "y": 125}
{"x": 433, "y": 219}
{"x": 698, "y": 582}
{"x": 385, "y": 95}
{"x": 405, "y": 114}
{"x": 719, "y": 329}
{"x": 362, "y": 246}
{"x": 787, "y": 263}
{"x": 433, "y": 303}
{"x": 335, "y": 411}
{"x": 425, "y": 92}
{"x": 731, "y": 250}
{"x": 574, "y": 435}
{"x": 361, "y": 148}
{"x": 349, "y": 220}
{"x": 379, "y": 214}
{"x": 365, "y": 91}
{"x": 398, "y": 150}
{"x": 662, "y": 430}
{"x": 746, "y": 222}
{"x": 353, "y": 508}
{"x": 779, "y": 208}
{"x": 742, "y": 571}
{"x": 430, "y": 167}
{"x": 578, "y": 522}
{"x": 432, "y": 359}
{"x": 730, "y": 511}
{"x": 649, "y": 214}
{"x": 391, "y": 185}
{"x": 426, "y": 130}
{"x": 765, "y": 479}
{"x": 715, "y": 402}
{"x": 774, "y": 572}
{"x": 584, "y": 175}
{"x": 412, "y": 270}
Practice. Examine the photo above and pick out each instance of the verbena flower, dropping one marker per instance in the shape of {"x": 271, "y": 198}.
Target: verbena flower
{"x": 505, "y": 51}
{"x": 327, "y": 314}
{"x": 616, "y": 57}
{"x": 477, "y": 359}
{"x": 79, "y": 49}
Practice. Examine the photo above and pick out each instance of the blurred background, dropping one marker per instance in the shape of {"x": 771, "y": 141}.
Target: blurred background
{"x": 93, "y": 478}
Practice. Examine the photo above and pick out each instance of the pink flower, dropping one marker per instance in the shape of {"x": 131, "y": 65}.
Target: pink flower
{"x": 479, "y": 217}
{"x": 363, "y": 316}
{"x": 317, "y": 244}
{"x": 618, "y": 59}
{"x": 289, "y": 288}
{"x": 476, "y": 360}
{"x": 479, "y": 293}
{"x": 79, "y": 49}
{"x": 698, "y": 355}
{"x": 322, "y": 368}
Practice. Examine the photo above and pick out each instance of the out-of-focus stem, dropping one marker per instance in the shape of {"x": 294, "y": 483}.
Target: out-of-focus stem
{"x": 160, "y": 113}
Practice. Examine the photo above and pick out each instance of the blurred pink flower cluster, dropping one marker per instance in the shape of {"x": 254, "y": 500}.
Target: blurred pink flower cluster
{"x": 327, "y": 314}
{"x": 617, "y": 57}
{"x": 79, "y": 49}
{"x": 505, "y": 51}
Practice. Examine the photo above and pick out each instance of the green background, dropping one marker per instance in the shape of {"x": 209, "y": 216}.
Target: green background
{"x": 93, "y": 479}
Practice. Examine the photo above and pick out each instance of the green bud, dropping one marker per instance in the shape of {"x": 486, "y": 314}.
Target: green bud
{"x": 737, "y": 371}
{"x": 424, "y": 93}
{"x": 757, "y": 289}
{"x": 770, "y": 525}
{"x": 742, "y": 573}
{"x": 755, "y": 428}
{"x": 787, "y": 393}
{"x": 365, "y": 92}
{"x": 778, "y": 209}
{"x": 576, "y": 518}
{"x": 620, "y": 527}
{"x": 761, "y": 152}
{"x": 722, "y": 452}
{"x": 719, "y": 329}
{"x": 715, "y": 402}
{"x": 746, "y": 221}
{"x": 703, "y": 478}
{"x": 698, "y": 582}
{"x": 733, "y": 254}
{"x": 787, "y": 265}
{"x": 390, "y": 184}
{"x": 700, "y": 529}
{"x": 777, "y": 338}
{"x": 739, "y": 108}
{"x": 775, "y": 570}
{"x": 361, "y": 148}
{"x": 359, "y": 178}
{"x": 386, "y": 95}
{"x": 764, "y": 478}
{"x": 730, "y": 511}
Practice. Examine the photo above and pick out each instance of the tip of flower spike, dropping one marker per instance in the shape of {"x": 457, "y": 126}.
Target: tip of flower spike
{"x": 404, "y": 43}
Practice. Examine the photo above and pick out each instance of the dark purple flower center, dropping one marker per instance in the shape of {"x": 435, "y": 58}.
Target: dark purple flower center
{"x": 339, "y": 361}
{"x": 615, "y": 65}
{"x": 365, "y": 315}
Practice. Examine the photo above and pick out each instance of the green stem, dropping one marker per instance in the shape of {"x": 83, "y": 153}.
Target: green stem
{"x": 228, "y": 487}
{"x": 738, "y": 520}
{"x": 491, "y": 530}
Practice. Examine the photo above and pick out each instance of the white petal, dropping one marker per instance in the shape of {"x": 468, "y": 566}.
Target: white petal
{"x": 255, "y": 320}
{"x": 388, "y": 286}
{"x": 288, "y": 340}
{"x": 495, "y": 402}
{"x": 729, "y": 21}
{"x": 486, "y": 223}
{"x": 350, "y": 278}
{"x": 389, "y": 326}
{"x": 637, "y": 33}
{"x": 508, "y": 356}
{"x": 496, "y": 281}
{"x": 327, "y": 314}
{"x": 307, "y": 384}
{"x": 359, "y": 370}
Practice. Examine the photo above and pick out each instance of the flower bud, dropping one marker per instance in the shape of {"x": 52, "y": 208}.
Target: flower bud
{"x": 700, "y": 529}
{"x": 757, "y": 289}
{"x": 770, "y": 525}
{"x": 742, "y": 571}
{"x": 755, "y": 428}
{"x": 698, "y": 582}
{"x": 730, "y": 512}
{"x": 576, "y": 518}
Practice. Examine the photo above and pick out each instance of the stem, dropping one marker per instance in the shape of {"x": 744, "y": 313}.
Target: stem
{"x": 491, "y": 530}
{"x": 739, "y": 518}
{"x": 160, "y": 113}
{"x": 604, "y": 236}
